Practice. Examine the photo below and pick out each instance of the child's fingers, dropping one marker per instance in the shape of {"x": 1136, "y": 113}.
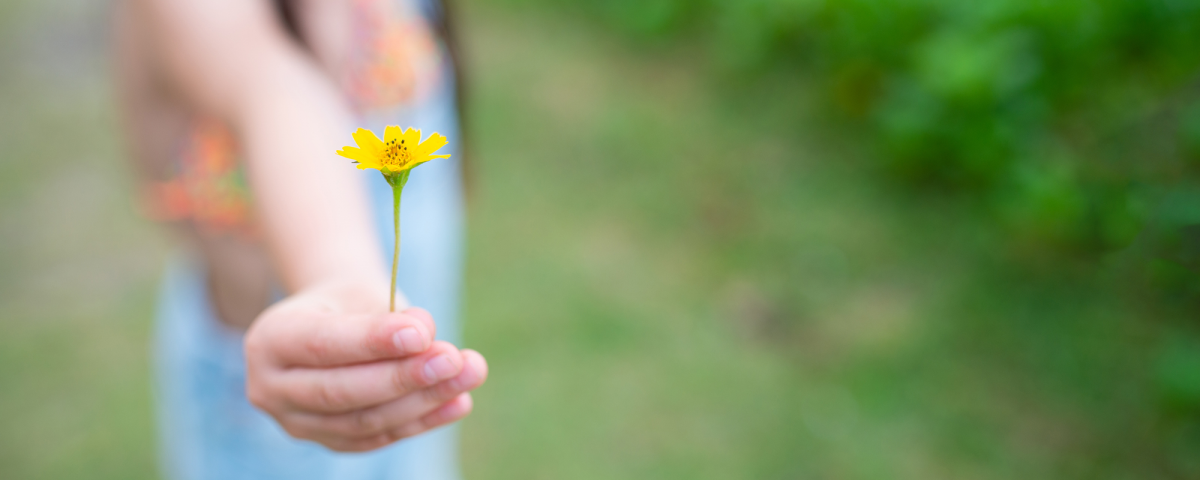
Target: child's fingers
{"x": 344, "y": 389}
{"x": 370, "y": 422}
{"x": 307, "y": 338}
{"x": 403, "y": 411}
{"x": 450, "y": 412}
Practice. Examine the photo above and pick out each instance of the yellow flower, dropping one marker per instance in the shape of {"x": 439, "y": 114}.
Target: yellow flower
{"x": 394, "y": 157}
{"x": 397, "y": 152}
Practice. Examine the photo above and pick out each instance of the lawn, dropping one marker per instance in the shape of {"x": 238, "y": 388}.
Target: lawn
{"x": 666, "y": 280}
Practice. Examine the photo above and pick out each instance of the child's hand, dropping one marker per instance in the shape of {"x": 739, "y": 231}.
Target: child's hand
{"x": 330, "y": 368}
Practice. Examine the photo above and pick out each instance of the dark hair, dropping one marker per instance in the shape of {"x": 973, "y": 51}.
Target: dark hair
{"x": 287, "y": 14}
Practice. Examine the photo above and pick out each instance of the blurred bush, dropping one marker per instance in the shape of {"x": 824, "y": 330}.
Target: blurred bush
{"x": 1069, "y": 124}
{"x": 1056, "y": 143}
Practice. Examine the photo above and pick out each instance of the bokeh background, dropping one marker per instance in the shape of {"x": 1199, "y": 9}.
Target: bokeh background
{"x": 717, "y": 239}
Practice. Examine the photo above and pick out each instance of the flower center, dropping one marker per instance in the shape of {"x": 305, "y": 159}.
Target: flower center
{"x": 396, "y": 154}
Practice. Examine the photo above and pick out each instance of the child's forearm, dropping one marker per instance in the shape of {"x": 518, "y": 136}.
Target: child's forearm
{"x": 312, "y": 204}
{"x": 231, "y": 59}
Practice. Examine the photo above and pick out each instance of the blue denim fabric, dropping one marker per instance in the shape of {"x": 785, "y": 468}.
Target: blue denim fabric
{"x": 208, "y": 429}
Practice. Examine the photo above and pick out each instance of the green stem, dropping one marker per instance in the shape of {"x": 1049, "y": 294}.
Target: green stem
{"x": 397, "y": 182}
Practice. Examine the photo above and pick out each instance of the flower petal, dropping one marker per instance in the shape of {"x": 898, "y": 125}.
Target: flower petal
{"x": 411, "y": 138}
{"x": 368, "y": 142}
{"x": 369, "y": 164}
{"x": 425, "y": 158}
{"x": 357, "y": 154}
{"x": 431, "y": 144}
{"x": 391, "y": 133}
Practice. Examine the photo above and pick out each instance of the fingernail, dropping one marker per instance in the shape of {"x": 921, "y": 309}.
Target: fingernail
{"x": 408, "y": 339}
{"x": 439, "y": 368}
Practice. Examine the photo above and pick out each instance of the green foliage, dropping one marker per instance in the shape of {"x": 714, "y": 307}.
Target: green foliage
{"x": 894, "y": 341}
{"x": 1059, "y": 119}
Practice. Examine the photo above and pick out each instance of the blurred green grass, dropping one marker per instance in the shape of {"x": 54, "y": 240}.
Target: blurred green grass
{"x": 77, "y": 264}
{"x": 724, "y": 295}
{"x": 668, "y": 282}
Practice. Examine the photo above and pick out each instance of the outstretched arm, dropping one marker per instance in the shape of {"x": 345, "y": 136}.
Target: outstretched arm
{"x": 329, "y": 363}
